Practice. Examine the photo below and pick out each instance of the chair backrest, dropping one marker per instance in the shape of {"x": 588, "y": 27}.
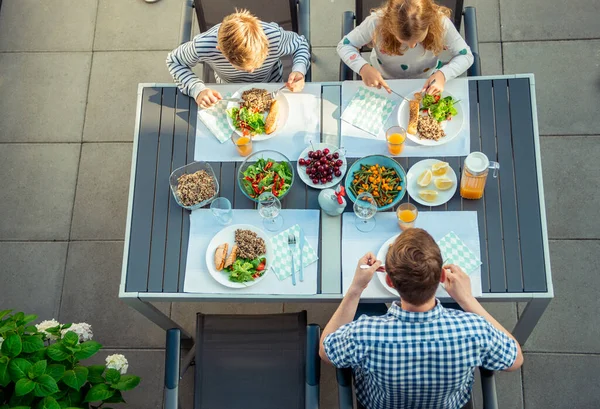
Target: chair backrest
{"x": 282, "y": 12}
{"x": 250, "y": 361}
{"x": 364, "y": 7}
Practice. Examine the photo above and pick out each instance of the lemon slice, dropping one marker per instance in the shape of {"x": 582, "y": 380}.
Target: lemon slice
{"x": 428, "y": 195}
{"x": 425, "y": 178}
{"x": 443, "y": 183}
{"x": 439, "y": 168}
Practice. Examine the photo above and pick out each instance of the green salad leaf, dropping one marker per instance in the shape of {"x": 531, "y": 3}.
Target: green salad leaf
{"x": 440, "y": 109}
{"x": 247, "y": 121}
{"x": 243, "y": 270}
{"x": 267, "y": 175}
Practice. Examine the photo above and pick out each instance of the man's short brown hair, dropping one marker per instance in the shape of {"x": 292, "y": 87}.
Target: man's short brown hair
{"x": 414, "y": 263}
{"x": 242, "y": 40}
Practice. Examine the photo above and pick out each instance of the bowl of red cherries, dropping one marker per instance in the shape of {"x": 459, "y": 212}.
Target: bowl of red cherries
{"x": 322, "y": 165}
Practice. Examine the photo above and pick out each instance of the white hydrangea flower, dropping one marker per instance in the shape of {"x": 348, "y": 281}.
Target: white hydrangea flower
{"x": 118, "y": 362}
{"x": 44, "y": 325}
{"x": 83, "y": 329}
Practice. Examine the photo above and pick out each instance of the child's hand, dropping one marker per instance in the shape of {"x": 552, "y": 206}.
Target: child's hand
{"x": 372, "y": 78}
{"x": 457, "y": 284}
{"x": 362, "y": 277}
{"x": 295, "y": 82}
{"x": 438, "y": 86}
{"x": 208, "y": 98}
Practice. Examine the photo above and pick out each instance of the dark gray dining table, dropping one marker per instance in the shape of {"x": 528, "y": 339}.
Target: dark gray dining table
{"x": 511, "y": 216}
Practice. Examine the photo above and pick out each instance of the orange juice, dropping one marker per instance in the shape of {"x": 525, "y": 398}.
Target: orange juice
{"x": 395, "y": 143}
{"x": 244, "y": 145}
{"x": 471, "y": 187}
{"x": 407, "y": 216}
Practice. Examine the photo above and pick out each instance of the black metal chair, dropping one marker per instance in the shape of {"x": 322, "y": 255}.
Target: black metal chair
{"x": 291, "y": 15}
{"x": 248, "y": 362}
{"x": 363, "y": 9}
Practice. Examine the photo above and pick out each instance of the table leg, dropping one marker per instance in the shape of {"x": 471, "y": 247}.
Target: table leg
{"x": 529, "y": 318}
{"x": 155, "y": 315}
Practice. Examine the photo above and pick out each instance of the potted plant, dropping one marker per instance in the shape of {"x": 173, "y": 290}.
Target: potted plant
{"x": 40, "y": 366}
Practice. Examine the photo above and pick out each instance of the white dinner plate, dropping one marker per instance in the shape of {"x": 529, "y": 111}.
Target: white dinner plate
{"x": 413, "y": 188}
{"x": 452, "y": 128}
{"x": 381, "y": 254}
{"x": 227, "y": 235}
{"x": 302, "y": 169}
{"x": 284, "y": 109}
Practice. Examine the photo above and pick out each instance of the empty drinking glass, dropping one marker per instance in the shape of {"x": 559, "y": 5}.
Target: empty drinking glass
{"x": 221, "y": 209}
{"x": 365, "y": 209}
{"x": 269, "y": 208}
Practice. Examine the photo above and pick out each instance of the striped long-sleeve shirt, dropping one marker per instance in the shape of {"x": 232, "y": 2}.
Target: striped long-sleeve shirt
{"x": 203, "y": 48}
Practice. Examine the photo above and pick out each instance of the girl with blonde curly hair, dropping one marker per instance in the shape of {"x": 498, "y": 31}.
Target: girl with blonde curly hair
{"x": 407, "y": 37}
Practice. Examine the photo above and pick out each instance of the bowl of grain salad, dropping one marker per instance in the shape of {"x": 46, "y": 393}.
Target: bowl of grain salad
{"x": 194, "y": 185}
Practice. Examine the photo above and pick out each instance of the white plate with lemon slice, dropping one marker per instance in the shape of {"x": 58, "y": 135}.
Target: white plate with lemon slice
{"x": 431, "y": 182}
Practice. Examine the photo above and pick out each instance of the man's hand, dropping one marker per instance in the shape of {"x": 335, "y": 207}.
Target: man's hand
{"x": 438, "y": 86}
{"x": 372, "y": 78}
{"x": 208, "y": 98}
{"x": 458, "y": 285}
{"x": 295, "y": 82}
{"x": 362, "y": 277}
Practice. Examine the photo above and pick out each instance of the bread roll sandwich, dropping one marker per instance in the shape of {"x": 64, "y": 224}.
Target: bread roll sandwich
{"x": 413, "y": 119}
{"x": 231, "y": 258}
{"x": 271, "y": 122}
{"x": 220, "y": 255}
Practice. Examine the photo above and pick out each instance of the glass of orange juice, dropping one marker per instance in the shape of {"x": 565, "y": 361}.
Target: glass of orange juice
{"x": 395, "y": 137}
{"x": 242, "y": 143}
{"x": 407, "y": 215}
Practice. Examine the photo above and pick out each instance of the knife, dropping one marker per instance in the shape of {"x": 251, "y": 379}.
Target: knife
{"x": 301, "y": 246}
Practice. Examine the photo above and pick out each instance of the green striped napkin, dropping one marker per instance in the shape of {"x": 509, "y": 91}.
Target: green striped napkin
{"x": 368, "y": 111}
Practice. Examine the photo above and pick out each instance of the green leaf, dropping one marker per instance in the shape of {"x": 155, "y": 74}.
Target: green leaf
{"x": 18, "y": 407}
{"x": 3, "y": 365}
{"x": 4, "y": 378}
{"x": 25, "y": 400}
{"x": 7, "y": 326}
{"x": 36, "y": 356}
{"x": 127, "y": 382}
{"x": 112, "y": 375}
{"x": 48, "y": 403}
{"x": 37, "y": 369}
{"x": 4, "y": 313}
{"x": 88, "y": 349}
{"x": 56, "y": 371}
{"x": 57, "y": 352}
{"x": 12, "y": 345}
{"x": 45, "y": 385}
{"x": 116, "y": 398}
{"x": 18, "y": 316}
{"x": 27, "y": 319}
{"x": 98, "y": 392}
{"x": 32, "y": 329}
{"x": 17, "y": 368}
{"x": 24, "y": 386}
{"x": 72, "y": 398}
{"x": 74, "y": 349}
{"x": 66, "y": 326}
{"x": 70, "y": 339}
{"x": 76, "y": 378}
{"x": 32, "y": 343}
{"x": 95, "y": 374}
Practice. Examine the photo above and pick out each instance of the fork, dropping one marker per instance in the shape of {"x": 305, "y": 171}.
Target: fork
{"x": 275, "y": 93}
{"x": 292, "y": 246}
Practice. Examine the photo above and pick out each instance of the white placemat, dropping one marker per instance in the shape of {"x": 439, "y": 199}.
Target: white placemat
{"x": 359, "y": 143}
{"x": 203, "y": 226}
{"x": 355, "y": 244}
{"x": 302, "y": 127}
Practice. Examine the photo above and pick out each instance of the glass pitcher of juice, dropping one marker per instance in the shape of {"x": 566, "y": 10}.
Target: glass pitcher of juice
{"x": 474, "y": 175}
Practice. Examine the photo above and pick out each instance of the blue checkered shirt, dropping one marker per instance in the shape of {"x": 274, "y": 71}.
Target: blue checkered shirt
{"x": 418, "y": 359}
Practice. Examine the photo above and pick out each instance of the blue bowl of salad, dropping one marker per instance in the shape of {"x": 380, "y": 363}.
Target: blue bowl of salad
{"x": 265, "y": 171}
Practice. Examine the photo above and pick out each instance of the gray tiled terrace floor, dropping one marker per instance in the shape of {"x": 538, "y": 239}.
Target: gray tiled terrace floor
{"x": 68, "y": 77}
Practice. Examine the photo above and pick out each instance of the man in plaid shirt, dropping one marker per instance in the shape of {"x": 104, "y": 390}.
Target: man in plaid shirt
{"x": 419, "y": 354}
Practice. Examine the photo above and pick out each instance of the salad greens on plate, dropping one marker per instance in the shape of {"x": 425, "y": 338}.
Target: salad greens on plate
{"x": 267, "y": 175}
{"x": 243, "y": 270}
{"x": 250, "y": 123}
{"x": 441, "y": 109}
